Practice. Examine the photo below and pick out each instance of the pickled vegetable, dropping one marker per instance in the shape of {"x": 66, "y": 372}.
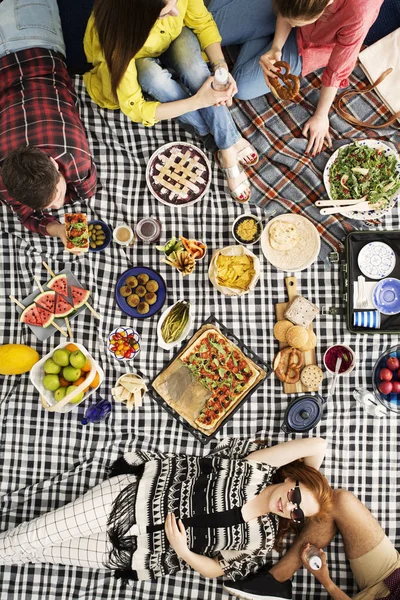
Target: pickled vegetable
{"x": 175, "y": 322}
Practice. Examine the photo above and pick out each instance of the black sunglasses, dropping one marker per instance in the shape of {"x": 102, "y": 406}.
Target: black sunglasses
{"x": 294, "y": 496}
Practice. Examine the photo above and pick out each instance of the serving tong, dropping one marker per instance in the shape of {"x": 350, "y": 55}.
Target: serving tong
{"x": 343, "y": 206}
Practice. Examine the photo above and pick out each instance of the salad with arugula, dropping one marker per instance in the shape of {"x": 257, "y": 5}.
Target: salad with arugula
{"x": 365, "y": 173}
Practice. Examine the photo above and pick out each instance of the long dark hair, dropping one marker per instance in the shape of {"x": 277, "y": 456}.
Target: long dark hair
{"x": 316, "y": 483}
{"x": 301, "y": 9}
{"x": 123, "y": 27}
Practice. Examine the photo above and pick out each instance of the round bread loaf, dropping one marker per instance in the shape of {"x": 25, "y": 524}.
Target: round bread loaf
{"x": 280, "y": 329}
{"x": 311, "y": 343}
{"x": 311, "y": 376}
{"x": 297, "y": 336}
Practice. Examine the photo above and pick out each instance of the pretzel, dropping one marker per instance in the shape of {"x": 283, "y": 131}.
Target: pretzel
{"x": 291, "y": 83}
{"x": 287, "y": 365}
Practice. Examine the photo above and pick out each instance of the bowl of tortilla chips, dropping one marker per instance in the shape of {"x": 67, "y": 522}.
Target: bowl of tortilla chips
{"x": 234, "y": 270}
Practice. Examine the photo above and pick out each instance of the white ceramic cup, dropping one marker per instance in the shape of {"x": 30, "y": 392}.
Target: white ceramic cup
{"x": 119, "y": 228}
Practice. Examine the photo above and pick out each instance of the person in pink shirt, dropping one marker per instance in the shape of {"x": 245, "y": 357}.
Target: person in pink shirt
{"x": 307, "y": 34}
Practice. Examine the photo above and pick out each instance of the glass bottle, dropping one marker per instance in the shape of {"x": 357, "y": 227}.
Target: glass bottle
{"x": 313, "y": 558}
{"x": 97, "y": 412}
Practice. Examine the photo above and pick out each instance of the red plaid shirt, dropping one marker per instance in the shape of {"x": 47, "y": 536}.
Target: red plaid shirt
{"x": 38, "y": 108}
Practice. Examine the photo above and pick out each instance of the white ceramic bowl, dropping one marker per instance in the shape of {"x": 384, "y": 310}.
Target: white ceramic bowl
{"x": 161, "y": 320}
{"x": 349, "y": 350}
{"x": 128, "y": 331}
{"x": 37, "y": 373}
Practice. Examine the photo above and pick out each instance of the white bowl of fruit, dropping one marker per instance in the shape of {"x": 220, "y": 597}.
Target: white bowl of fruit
{"x": 67, "y": 371}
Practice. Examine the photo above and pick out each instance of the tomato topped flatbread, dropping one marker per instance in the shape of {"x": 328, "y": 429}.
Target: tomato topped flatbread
{"x": 221, "y": 368}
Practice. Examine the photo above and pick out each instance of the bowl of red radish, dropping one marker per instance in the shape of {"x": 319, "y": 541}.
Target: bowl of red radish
{"x": 386, "y": 379}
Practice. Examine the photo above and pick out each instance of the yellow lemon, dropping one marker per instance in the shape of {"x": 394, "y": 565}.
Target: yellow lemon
{"x": 16, "y": 359}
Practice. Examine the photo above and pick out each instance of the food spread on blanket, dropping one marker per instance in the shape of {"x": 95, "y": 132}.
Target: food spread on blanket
{"x": 77, "y": 232}
{"x": 363, "y": 172}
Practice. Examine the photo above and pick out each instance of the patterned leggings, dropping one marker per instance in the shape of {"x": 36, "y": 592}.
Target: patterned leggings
{"x": 75, "y": 534}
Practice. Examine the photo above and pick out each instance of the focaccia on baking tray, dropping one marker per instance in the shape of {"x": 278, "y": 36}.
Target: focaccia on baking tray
{"x": 208, "y": 379}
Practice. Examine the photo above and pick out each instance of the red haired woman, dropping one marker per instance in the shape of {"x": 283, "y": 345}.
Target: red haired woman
{"x": 160, "y": 513}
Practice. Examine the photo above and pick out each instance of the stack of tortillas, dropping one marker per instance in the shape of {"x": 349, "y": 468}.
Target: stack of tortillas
{"x": 129, "y": 389}
{"x": 290, "y": 242}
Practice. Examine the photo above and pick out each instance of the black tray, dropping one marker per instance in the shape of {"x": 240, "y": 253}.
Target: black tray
{"x": 202, "y": 437}
{"x": 390, "y": 324}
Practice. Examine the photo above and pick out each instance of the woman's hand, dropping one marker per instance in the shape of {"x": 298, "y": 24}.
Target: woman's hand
{"x": 207, "y": 96}
{"x": 321, "y": 574}
{"x": 317, "y": 131}
{"x": 267, "y": 62}
{"x": 176, "y": 535}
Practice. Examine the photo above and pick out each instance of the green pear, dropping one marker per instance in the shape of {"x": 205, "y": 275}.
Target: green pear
{"x": 60, "y": 393}
{"x": 61, "y": 357}
{"x": 51, "y": 382}
{"x": 71, "y": 374}
{"x": 77, "y": 359}
{"x": 50, "y": 367}
{"x": 78, "y": 397}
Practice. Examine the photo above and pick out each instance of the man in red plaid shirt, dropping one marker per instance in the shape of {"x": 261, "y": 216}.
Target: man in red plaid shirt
{"x": 44, "y": 154}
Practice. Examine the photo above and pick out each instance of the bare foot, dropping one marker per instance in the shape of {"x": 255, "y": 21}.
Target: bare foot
{"x": 229, "y": 159}
{"x": 246, "y": 152}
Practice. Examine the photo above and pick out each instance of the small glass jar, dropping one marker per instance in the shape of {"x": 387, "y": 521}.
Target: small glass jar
{"x": 148, "y": 230}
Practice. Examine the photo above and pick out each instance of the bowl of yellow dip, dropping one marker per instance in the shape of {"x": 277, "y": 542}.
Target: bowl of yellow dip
{"x": 247, "y": 229}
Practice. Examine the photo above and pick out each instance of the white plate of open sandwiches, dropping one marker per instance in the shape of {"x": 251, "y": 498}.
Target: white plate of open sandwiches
{"x": 290, "y": 242}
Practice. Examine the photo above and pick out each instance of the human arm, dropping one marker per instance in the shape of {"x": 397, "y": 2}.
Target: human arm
{"x": 175, "y": 532}
{"x": 323, "y": 576}
{"x": 317, "y": 126}
{"x": 312, "y": 450}
{"x": 274, "y": 54}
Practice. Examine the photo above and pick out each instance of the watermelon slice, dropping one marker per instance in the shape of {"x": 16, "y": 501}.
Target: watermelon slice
{"x": 63, "y": 307}
{"x": 37, "y": 316}
{"x": 46, "y": 300}
{"x": 79, "y": 296}
{"x": 59, "y": 284}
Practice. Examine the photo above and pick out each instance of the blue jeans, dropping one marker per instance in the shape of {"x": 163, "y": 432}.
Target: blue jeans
{"x": 185, "y": 59}
{"x": 30, "y": 24}
{"x": 251, "y": 24}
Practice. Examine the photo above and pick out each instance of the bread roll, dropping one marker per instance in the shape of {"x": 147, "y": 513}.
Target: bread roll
{"x": 297, "y": 336}
{"x": 280, "y": 329}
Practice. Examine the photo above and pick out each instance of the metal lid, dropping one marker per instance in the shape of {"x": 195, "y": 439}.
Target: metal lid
{"x": 303, "y": 414}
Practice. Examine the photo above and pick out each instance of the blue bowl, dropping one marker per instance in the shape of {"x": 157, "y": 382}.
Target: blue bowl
{"x": 386, "y": 296}
{"x": 161, "y": 293}
{"x": 107, "y": 232}
{"x": 390, "y": 401}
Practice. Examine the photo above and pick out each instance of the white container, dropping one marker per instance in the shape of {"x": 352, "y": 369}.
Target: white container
{"x": 129, "y": 241}
{"x": 185, "y": 332}
{"x": 48, "y": 402}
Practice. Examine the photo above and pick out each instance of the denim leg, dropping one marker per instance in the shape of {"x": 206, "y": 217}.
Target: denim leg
{"x": 240, "y": 21}
{"x": 247, "y": 71}
{"x": 30, "y": 24}
{"x": 184, "y": 57}
{"x": 158, "y": 83}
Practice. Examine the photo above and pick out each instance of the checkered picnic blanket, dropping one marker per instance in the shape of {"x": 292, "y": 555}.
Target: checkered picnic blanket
{"x": 50, "y": 459}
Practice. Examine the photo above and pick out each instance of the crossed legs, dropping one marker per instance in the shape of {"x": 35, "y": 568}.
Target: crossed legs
{"x": 360, "y": 531}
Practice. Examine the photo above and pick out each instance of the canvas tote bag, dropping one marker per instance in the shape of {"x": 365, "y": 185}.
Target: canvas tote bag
{"x": 381, "y": 64}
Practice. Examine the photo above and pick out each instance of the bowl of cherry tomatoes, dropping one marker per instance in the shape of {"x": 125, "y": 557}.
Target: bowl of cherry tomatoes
{"x": 124, "y": 343}
{"x": 386, "y": 379}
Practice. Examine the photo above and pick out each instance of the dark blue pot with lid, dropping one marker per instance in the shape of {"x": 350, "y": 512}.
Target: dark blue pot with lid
{"x": 303, "y": 414}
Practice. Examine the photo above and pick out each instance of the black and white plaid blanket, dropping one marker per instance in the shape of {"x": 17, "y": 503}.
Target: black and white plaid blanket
{"x": 50, "y": 459}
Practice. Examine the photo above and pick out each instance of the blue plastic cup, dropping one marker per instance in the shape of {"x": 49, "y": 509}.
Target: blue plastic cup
{"x": 367, "y": 318}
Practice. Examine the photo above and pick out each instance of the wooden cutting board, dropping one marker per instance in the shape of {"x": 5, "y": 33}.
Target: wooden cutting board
{"x": 309, "y": 356}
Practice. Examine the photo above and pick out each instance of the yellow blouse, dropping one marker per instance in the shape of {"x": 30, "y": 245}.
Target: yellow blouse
{"x": 192, "y": 14}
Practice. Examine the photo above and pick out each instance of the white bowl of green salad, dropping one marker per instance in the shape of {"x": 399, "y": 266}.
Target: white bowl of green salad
{"x": 365, "y": 170}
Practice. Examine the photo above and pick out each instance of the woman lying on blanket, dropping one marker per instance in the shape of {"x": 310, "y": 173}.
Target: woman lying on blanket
{"x": 307, "y": 34}
{"x": 158, "y": 513}
{"x": 136, "y": 45}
